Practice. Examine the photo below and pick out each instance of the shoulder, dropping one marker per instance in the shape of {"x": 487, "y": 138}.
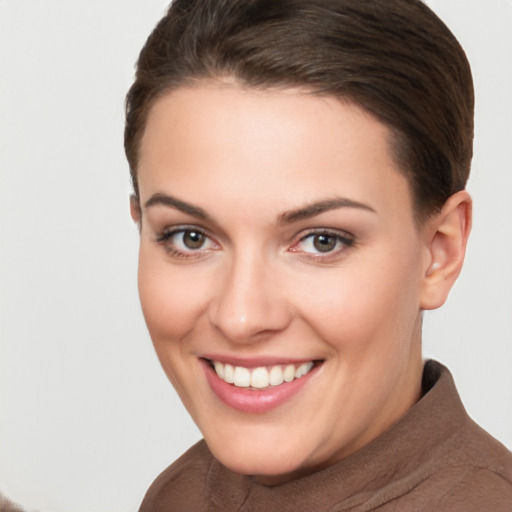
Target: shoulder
{"x": 468, "y": 471}
{"x": 458, "y": 466}
{"x": 479, "y": 472}
{"x": 478, "y": 489}
{"x": 182, "y": 484}
{"x": 485, "y": 454}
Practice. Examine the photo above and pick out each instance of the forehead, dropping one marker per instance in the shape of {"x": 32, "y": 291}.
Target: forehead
{"x": 250, "y": 146}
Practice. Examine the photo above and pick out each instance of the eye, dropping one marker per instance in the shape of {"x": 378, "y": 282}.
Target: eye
{"x": 186, "y": 242}
{"x": 323, "y": 242}
{"x": 190, "y": 239}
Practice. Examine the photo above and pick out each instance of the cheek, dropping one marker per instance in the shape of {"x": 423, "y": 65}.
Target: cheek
{"x": 365, "y": 306}
{"x": 172, "y": 298}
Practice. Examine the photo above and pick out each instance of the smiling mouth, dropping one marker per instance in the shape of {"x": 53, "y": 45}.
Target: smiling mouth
{"x": 261, "y": 377}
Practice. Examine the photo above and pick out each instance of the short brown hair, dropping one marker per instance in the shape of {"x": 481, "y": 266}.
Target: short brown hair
{"x": 394, "y": 58}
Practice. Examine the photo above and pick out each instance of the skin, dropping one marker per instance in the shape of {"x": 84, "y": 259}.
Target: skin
{"x": 259, "y": 287}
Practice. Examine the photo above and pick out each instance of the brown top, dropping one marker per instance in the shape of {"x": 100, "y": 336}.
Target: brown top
{"x": 434, "y": 459}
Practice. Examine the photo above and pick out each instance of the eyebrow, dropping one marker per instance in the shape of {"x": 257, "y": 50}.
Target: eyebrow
{"x": 313, "y": 209}
{"x": 288, "y": 217}
{"x": 182, "y": 206}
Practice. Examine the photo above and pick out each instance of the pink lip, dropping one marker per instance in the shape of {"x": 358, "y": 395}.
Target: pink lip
{"x": 252, "y": 401}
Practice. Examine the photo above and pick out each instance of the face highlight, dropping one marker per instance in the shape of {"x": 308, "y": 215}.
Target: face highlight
{"x": 280, "y": 274}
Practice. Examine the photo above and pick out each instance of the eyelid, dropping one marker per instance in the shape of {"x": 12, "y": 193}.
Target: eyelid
{"x": 337, "y": 233}
{"x": 327, "y": 231}
{"x": 347, "y": 239}
{"x": 164, "y": 236}
{"x": 169, "y": 231}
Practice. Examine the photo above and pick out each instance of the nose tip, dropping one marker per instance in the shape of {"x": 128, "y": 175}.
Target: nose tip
{"x": 248, "y": 306}
{"x": 237, "y": 328}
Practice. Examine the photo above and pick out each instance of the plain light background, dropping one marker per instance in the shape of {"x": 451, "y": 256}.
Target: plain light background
{"x": 87, "y": 417}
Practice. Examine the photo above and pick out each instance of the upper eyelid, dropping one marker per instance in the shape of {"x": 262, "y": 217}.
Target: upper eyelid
{"x": 340, "y": 233}
{"x": 163, "y": 237}
{"x": 216, "y": 233}
{"x": 347, "y": 240}
{"x": 169, "y": 231}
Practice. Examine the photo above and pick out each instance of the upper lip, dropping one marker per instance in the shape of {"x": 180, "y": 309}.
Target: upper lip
{"x": 254, "y": 362}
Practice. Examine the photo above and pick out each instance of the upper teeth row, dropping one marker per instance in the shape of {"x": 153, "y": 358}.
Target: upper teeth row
{"x": 260, "y": 377}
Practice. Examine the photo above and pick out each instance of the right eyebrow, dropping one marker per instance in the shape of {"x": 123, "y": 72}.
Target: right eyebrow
{"x": 172, "y": 202}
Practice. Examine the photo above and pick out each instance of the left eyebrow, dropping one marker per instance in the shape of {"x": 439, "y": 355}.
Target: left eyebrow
{"x": 313, "y": 209}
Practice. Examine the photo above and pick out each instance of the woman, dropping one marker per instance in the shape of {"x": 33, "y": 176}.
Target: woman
{"x": 299, "y": 171}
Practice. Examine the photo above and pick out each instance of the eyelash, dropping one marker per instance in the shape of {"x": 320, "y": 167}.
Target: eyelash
{"x": 165, "y": 239}
{"x": 346, "y": 240}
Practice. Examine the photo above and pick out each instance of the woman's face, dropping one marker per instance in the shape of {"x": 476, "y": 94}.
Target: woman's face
{"x": 278, "y": 238}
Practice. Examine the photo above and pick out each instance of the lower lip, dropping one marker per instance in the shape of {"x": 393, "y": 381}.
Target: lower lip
{"x": 254, "y": 401}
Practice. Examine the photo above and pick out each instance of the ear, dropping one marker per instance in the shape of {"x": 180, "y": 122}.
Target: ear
{"x": 135, "y": 210}
{"x": 446, "y": 236}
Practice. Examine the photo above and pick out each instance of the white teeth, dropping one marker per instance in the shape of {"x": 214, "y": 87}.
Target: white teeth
{"x": 307, "y": 367}
{"x": 219, "y": 368}
{"x": 229, "y": 374}
{"x": 289, "y": 373}
{"x": 276, "y": 376}
{"x": 261, "y": 377}
{"x": 242, "y": 377}
{"x": 303, "y": 369}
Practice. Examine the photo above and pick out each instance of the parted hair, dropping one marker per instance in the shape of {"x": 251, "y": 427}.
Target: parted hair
{"x": 394, "y": 58}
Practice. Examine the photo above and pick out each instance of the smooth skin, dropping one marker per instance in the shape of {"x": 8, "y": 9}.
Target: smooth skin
{"x": 238, "y": 263}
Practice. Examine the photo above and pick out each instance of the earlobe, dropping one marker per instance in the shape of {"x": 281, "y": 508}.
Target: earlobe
{"x": 135, "y": 211}
{"x": 446, "y": 239}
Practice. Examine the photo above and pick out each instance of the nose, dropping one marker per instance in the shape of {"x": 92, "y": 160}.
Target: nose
{"x": 249, "y": 303}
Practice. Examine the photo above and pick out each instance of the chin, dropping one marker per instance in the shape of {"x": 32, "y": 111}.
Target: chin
{"x": 269, "y": 461}
{"x": 268, "y": 470}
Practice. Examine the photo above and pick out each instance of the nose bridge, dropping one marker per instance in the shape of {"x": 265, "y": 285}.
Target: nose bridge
{"x": 248, "y": 301}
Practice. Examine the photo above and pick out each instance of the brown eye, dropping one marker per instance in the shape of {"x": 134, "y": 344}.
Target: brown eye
{"x": 187, "y": 242}
{"x": 324, "y": 243}
{"x": 193, "y": 239}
